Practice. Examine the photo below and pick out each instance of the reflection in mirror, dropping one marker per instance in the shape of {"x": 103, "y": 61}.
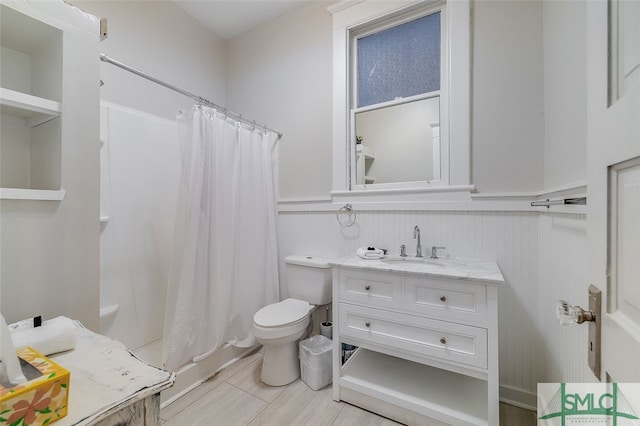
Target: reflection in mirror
{"x": 398, "y": 143}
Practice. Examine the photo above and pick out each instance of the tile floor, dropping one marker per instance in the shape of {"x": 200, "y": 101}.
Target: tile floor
{"x": 236, "y": 397}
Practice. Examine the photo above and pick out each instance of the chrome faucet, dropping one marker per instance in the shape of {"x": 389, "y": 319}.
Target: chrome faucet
{"x": 416, "y": 234}
{"x": 434, "y": 251}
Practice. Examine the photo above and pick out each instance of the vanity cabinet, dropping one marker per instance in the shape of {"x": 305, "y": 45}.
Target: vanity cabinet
{"x": 427, "y": 340}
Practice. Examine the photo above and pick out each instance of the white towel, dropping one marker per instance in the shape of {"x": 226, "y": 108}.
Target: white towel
{"x": 53, "y": 336}
{"x": 370, "y": 253}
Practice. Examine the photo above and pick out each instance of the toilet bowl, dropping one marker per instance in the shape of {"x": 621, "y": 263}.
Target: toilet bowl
{"x": 280, "y": 326}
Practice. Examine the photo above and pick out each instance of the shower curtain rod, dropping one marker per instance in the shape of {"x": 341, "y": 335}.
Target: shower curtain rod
{"x": 199, "y": 99}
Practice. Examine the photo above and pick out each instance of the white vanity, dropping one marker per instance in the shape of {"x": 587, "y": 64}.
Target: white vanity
{"x": 427, "y": 333}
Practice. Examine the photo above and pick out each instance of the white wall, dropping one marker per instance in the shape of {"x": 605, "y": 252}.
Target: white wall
{"x": 562, "y": 356}
{"x": 508, "y": 122}
{"x": 562, "y": 238}
{"x": 158, "y": 38}
{"x": 565, "y": 92}
{"x": 280, "y": 75}
{"x": 50, "y": 249}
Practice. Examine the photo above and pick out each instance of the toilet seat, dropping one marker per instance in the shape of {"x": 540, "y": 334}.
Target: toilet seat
{"x": 287, "y": 312}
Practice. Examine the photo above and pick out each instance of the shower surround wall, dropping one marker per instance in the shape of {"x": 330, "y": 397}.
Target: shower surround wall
{"x": 535, "y": 252}
{"x": 140, "y": 174}
{"x": 160, "y": 39}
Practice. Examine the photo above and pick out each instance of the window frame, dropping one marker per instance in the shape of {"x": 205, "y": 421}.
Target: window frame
{"x": 378, "y": 25}
{"x": 352, "y": 15}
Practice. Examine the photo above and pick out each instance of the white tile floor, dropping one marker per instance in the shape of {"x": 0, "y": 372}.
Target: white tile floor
{"x": 236, "y": 397}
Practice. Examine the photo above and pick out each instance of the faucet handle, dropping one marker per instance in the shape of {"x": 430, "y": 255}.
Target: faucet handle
{"x": 403, "y": 250}
{"x": 434, "y": 251}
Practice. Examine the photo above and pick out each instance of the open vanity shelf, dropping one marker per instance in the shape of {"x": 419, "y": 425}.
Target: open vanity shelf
{"x": 31, "y": 107}
{"x": 427, "y": 338}
{"x": 420, "y": 388}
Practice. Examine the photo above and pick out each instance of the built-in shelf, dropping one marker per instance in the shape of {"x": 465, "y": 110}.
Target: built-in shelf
{"x": 104, "y": 220}
{"x": 427, "y": 390}
{"x": 31, "y": 94}
{"x": 364, "y": 159}
{"x": 368, "y": 152}
{"x": 31, "y": 194}
{"x": 108, "y": 311}
{"x": 33, "y": 109}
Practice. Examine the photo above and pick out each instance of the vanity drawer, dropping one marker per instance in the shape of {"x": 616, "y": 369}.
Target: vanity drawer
{"x": 371, "y": 288}
{"x": 449, "y": 341}
{"x": 447, "y": 299}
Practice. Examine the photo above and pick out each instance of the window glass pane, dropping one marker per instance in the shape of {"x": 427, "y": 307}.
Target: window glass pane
{"x": 399, "y": 62}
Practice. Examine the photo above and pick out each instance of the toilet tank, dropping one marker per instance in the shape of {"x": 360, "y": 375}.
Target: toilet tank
{"x": 309, "y": 279}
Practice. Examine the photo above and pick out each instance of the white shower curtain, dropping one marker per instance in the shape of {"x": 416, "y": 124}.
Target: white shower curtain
{"x": 224, "y": 263}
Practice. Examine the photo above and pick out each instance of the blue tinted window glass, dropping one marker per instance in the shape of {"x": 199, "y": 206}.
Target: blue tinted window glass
{"x": 399, "y": 62}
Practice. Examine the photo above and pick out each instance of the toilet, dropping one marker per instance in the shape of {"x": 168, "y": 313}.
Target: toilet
{"x": 279, "y": 326}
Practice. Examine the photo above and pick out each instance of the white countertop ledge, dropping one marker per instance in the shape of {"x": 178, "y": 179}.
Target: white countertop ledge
{"x": 446, "y": 267}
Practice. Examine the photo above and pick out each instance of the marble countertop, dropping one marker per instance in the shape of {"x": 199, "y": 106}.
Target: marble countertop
{"x": 462, "y": 269}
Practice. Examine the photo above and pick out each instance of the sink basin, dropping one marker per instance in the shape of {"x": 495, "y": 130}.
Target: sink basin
{"x": 397, "y": 260}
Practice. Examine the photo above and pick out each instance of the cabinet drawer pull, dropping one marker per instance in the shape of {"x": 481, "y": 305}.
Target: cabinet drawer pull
{"x": 367, "y": 324}
{"x": 443, "y": 299}
{"x": 367, "y": 287}
{"x": 443, "y": 340}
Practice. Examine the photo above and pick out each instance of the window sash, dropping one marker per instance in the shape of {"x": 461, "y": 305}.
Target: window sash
{"x": 372, "y": 28}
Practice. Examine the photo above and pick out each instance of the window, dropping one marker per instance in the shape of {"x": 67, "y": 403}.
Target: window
{"x": 397, "y": 72}
{"x": 402, "y": 67}
{"x": 399, "y": 62}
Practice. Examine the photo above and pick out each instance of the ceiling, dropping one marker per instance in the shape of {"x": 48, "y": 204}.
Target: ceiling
{"x": 230, "y": 18}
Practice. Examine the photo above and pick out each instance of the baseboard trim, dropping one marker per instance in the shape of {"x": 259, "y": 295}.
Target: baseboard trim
{"x": 518, "y": 398}
{"x": 193, "y": 375}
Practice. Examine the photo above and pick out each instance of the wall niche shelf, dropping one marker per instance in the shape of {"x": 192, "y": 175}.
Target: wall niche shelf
{"x": 365, "y": 156}
{"x": 31, "y": 86}
{"x": 31, "y": 194}
{"x": 33, "y": 109}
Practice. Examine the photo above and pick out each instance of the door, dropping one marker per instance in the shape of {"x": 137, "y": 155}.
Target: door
{"x": 613, "y": 171}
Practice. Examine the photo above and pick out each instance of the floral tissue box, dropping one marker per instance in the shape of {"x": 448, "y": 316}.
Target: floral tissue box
{"x": 42, "y": 400}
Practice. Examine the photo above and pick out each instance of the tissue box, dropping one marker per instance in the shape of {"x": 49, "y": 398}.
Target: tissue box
{"x": 41, "y": 400}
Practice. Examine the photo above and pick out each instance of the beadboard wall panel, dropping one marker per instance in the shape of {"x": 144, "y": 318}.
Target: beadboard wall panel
{"x": 563, "y": 257}
{"x": 542, "y": 257}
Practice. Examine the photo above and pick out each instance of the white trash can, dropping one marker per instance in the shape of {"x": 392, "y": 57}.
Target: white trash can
{"x": 315, "y": 361}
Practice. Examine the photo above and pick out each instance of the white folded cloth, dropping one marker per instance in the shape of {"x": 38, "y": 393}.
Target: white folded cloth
{"x": 53, "y": 336}
{"x": 370, "y": 253}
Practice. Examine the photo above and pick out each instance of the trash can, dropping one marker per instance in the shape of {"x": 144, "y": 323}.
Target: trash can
{"x": 315, "y": 361}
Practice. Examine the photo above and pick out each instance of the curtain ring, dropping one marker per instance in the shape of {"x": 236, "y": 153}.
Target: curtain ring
{"x": 348, "y": 209}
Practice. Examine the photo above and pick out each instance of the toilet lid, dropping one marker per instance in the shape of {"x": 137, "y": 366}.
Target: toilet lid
{"x": 282, "y": 313}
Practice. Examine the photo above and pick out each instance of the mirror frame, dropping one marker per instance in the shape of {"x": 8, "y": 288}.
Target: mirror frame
{"x": 349, "y": 16}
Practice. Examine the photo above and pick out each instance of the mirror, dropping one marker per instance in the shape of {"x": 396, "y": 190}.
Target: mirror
{"x": 398, "y": 143}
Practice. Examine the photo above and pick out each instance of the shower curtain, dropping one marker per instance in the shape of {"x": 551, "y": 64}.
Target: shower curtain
{"x": 224, "y": 265}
